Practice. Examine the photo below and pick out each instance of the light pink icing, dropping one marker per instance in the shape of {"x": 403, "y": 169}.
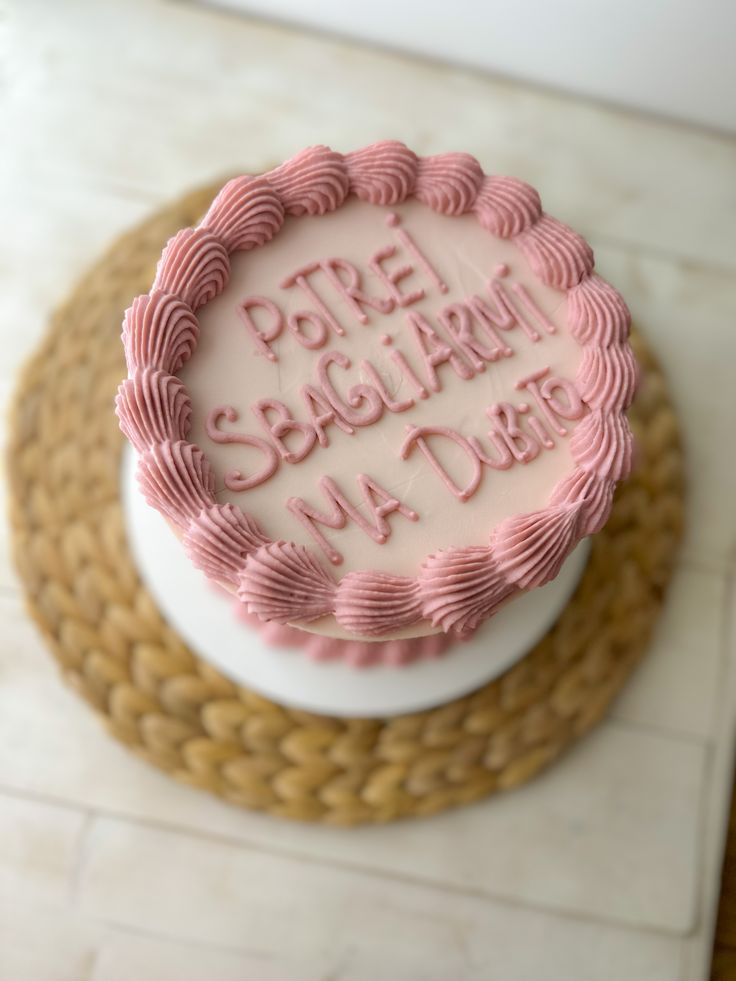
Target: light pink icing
{"x": 417, "y": 435}
{"x": 235, "y": 479}
{"x": 455, "y": 589}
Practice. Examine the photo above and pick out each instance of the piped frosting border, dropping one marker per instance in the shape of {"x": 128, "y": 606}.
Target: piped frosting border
{"x": 456, "y": 588}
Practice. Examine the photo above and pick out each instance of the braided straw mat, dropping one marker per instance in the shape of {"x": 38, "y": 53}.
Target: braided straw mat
{"x": 180, "y": 714}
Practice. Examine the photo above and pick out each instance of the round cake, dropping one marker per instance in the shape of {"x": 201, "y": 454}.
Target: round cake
{"x": 377, "y": 396}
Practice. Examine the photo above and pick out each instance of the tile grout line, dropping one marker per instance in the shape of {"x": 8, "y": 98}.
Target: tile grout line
{"x": 222, "y": 839}
{"x": 664, "y": 732}
{"x": 81, "y": 851}
{"x": 181, "y": 941}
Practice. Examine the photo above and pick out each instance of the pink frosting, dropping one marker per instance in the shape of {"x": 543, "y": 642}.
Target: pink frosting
{"x": 558, "y": 255}
{"x": 280, "y": 581}
{"x": 449, "y": 183}
{"x": 597, "y": 313}
{"x": 195, "y": 266}
{"x": 364, "y": 599}
{"x": 153, "y": 407}
{"x": 506, "y": 206}
{"x": 593, "y": 492}
{"x": 602, "y": 444}
{"x": 159, "y": 331}
{"x": 383, "y": 173}
{"x": 461, "y": 587}
{"x": 177, "y": 480}
{"x": 607, "y": 377}
{"x": 313, "y": 182}
{"x": 530, "y": 548}
{"x": 283, "y": 581}
{"x": 219, "y": 539}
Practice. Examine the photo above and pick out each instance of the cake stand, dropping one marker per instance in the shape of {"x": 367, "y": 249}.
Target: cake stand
{"x": 205, "y": 619}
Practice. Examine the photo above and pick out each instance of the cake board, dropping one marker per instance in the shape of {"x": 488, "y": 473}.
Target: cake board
{"x": 191, "y": 720}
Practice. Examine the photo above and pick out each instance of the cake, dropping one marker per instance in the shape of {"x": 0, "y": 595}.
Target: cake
{"x": 378, "y": 396}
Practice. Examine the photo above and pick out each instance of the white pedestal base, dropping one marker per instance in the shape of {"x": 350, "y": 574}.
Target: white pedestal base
{"x": 204, "y": 619}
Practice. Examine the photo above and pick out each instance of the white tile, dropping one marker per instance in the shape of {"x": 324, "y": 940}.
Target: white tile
{"x": 675, "y": 688}
{"x": 39, "y": 846}
{"x": 340, "y": 923}
{"x": 688, "y": 314}
{"x": 44, "y": 943}
{"x": 611, "y": 829}
{"x": 125, "y": 956}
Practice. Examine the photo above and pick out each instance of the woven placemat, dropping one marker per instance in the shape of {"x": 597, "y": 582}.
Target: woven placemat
{"x": 180, "y": 714}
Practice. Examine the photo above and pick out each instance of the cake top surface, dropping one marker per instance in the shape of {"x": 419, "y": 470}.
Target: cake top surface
{"x": 378, "y": 394}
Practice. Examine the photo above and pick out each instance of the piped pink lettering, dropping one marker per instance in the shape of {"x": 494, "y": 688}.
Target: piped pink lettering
{"x": 322, "y": 414}
{"x": 262, "y": 338}
{"x": 313, "y": 340}
{"x": 341, "y": 510}
{"x": 394, "y": 221}
{"x": 434, "y": 352}
{"x": 392, "y": 279}
{"x": 417, "y": 436}
{"x": 300, "y": 279}
{"x": 351, "y": 291}
{"x": 506, "y": 423}
{"x": 282, "y": 427}
{"x": 234, "y": 479}
{"x": 550, "y": 406}
{"x": 363, "y": 405}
